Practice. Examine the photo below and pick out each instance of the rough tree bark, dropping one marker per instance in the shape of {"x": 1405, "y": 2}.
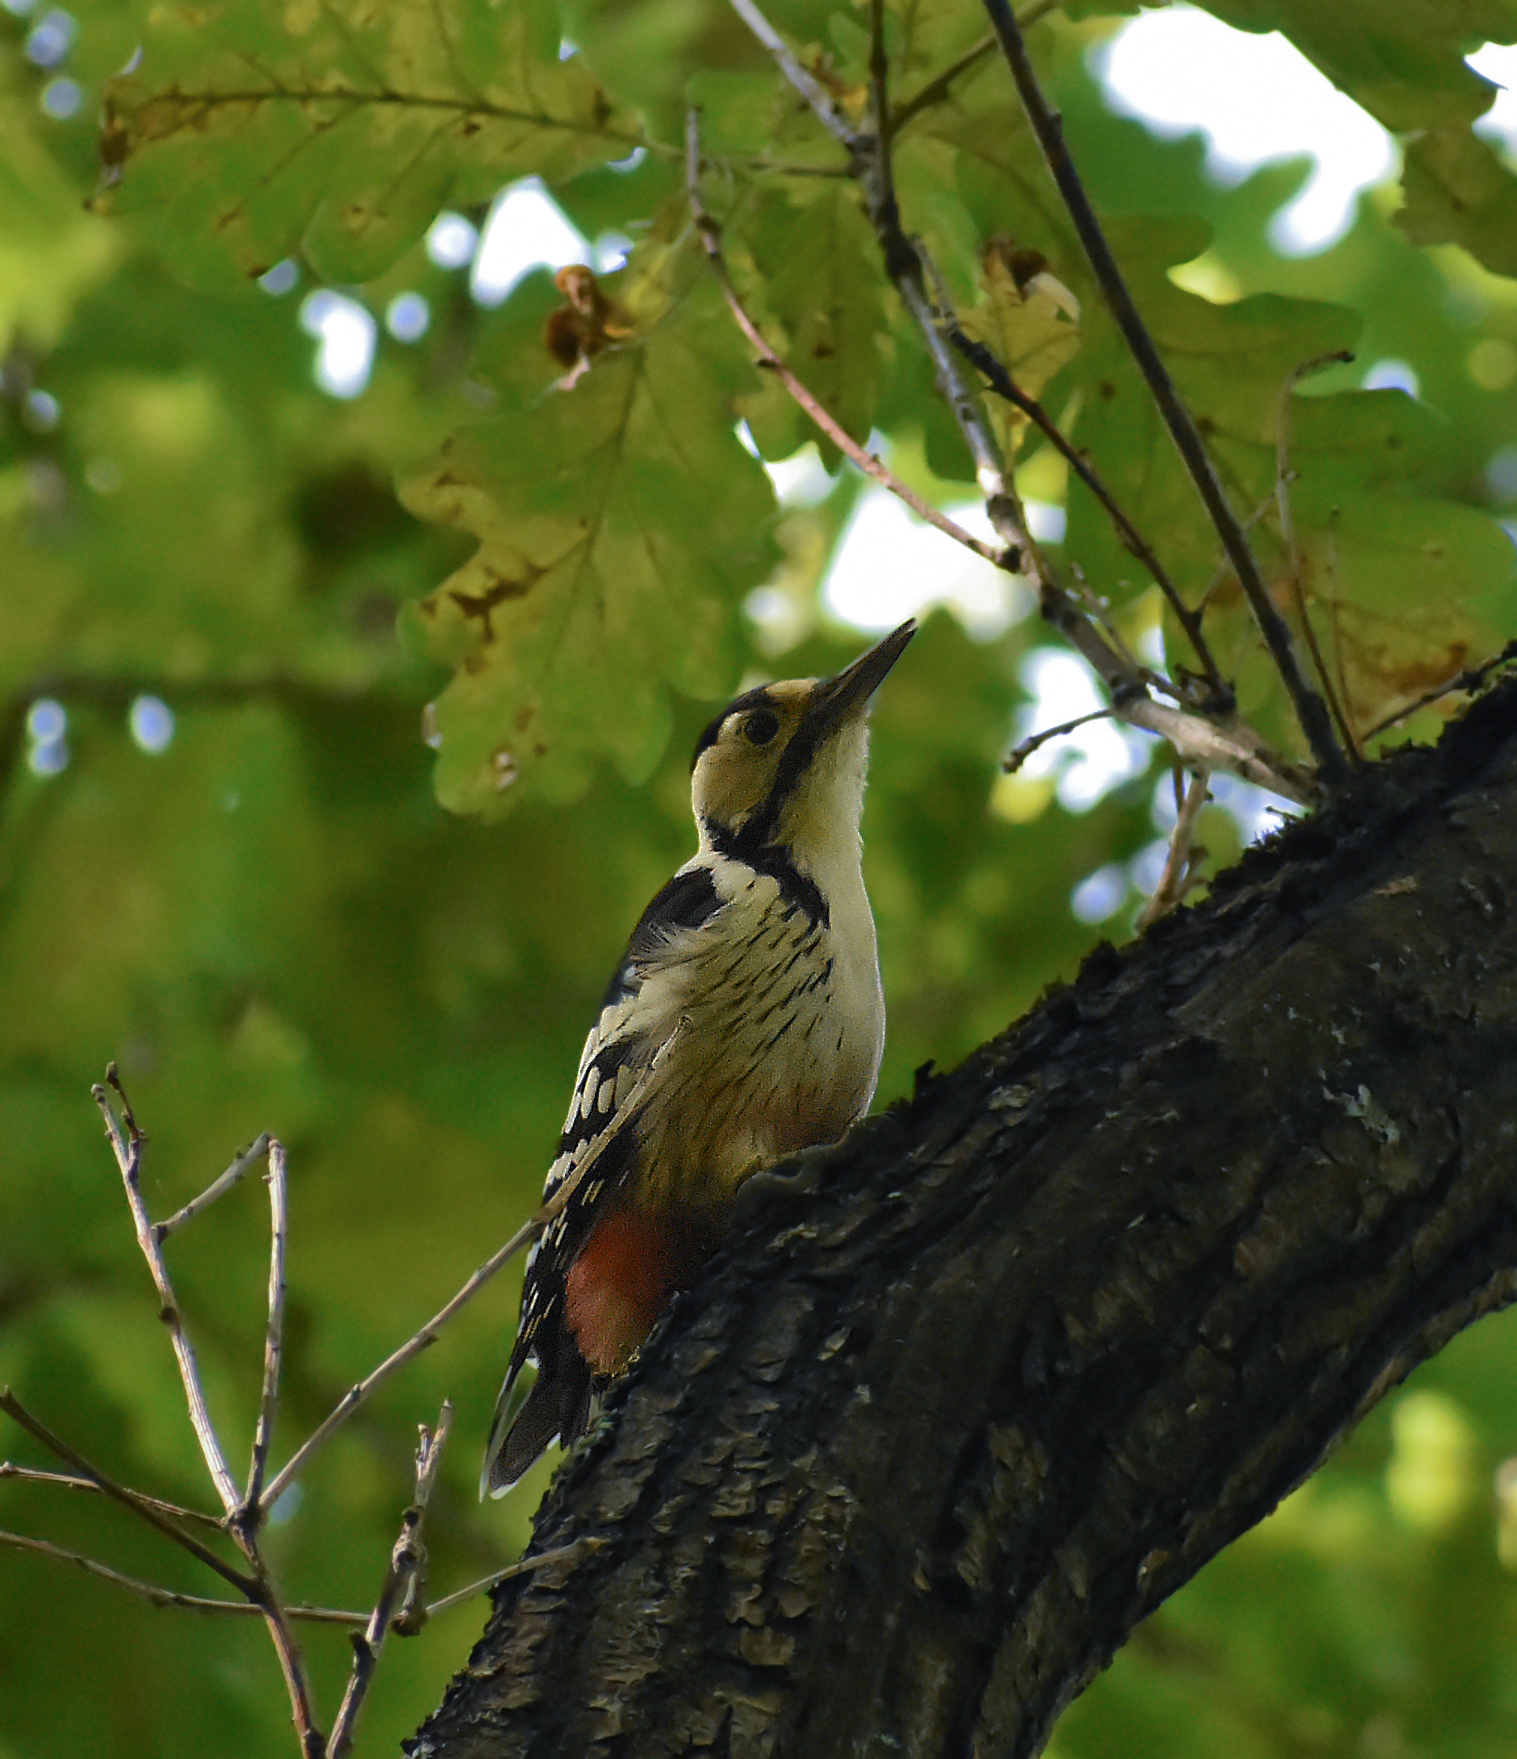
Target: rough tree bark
{"x": 904, "y": 1470}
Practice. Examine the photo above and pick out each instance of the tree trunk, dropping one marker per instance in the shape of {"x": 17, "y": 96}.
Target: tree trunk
{"x": 929, "y": 1438}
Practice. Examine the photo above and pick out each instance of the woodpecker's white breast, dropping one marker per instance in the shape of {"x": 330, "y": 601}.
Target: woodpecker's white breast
{"x": 773, "y": 1022}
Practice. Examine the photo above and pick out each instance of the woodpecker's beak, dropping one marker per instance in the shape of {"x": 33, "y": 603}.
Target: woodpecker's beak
{"x": 838, "y": 698}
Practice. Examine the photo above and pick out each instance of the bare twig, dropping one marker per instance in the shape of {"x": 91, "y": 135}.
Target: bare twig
{"x": 1019, "y": 754}
{"x": 1176, "y": 878}
{"x": 1288, "y": 538}
{"x": 1001, "y": 382}
{"x": 522, "y": 1567}
{"x": 1198, "y": 740}
{"x": 710, "y": 234}
{"x": 141, "y": 1506}
{"x": 811, "y": 89}
{"x": 401, "y": 1625}
{"x": 68, "y": 1481}
{"x": 249, "y": 1158}
{"x": 1467, "y": 680}
{"x": 128, "y": 1151}
{"x": 405, "y": 1564}
{"x": 1049, "y": 129}
{"x": 427, "y": 1335}
{"x": 939, "y": 86}
{"x": 273, "y": 1347}
{"x": 242, "y": 1519}
{"x": 151, "y": 1591}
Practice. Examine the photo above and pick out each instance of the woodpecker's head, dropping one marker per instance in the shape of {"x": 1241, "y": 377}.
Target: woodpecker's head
{"x": 784, "y": 764}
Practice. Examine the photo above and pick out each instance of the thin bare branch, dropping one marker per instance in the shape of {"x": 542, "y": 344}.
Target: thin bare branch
{"x": 234, "y": 1174}
{"x": 811, "y": 89}
{"x": 273, "y": 1346}
{"x": 126, "y": 1141}
{"x": 1292, "y": 548}
{"x": 1176, "y": 879}
{"x": 871, "y": 167}
{"x": 1197, "y": 740}
{"x": 939, "y": 86}
{"x": 524, "y": 1566}
{"x": 427, "y": 1335}
{"x": 405, "y": 1564}
{"x": 1048, "y": 126}
{"x": 710, "y": 234}
{"x": 128, "y": 1151}
{"x": 159, "y": 1596}
{"x": 141, "y": 1506}
{"x": 1468, "y": 680}
{"x": 1001, "y": 382}
{"x": 1019, "y": 754}
{"x": 68, "y": 1481}
{"x": 1202, "y": 743}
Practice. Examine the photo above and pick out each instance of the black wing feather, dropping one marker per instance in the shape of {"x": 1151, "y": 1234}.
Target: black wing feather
{"x": 559, "y": 1402}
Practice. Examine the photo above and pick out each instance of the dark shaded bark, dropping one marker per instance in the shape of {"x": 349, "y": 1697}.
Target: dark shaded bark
{"x": 905, "y": 1468}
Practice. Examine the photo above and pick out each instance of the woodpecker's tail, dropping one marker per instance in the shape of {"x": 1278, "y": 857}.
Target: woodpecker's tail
{"x": 534, "y": 1407}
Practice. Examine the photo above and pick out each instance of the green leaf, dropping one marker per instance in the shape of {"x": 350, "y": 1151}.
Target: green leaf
{"x": 1388, "y": 576}
{"x": 1459, "y": 192}
{"x": 1231, "y": 363}
{"x": 339, "y": 128}
{"x": 817, "y": 262}
{"x": 1403, "y": 60}
{"x": 620, "y": 523}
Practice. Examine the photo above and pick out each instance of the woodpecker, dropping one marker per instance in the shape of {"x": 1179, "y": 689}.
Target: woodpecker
{"x": 744, "y": 1023}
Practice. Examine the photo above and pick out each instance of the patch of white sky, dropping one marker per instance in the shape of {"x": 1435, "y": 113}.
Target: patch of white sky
{"x": 1256, "y": 99}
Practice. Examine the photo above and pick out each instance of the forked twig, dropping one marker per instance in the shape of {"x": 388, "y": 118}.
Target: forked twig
{"x": 245, "y": 1161}
{"x": 405, "y": 1564}
{"x": 427, "y": 1335}
{"x": 1175, "y": 881}
{"x": 241, "y": 1517}
{"x": 1048, "y": 126}
{"x": 143, "y": 1507}
{"x": 711, "y": 237}
{"x": 128, "y": 1151}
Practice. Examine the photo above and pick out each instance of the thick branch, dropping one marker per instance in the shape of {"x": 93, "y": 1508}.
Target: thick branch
{"x": 928, "y": 1439}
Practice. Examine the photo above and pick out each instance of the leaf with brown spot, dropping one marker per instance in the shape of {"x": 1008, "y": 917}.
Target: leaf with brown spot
{"x": 626, "y": 524}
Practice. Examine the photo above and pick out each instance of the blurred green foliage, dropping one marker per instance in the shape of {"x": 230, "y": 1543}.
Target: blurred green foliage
{"x": 275, "y": 921}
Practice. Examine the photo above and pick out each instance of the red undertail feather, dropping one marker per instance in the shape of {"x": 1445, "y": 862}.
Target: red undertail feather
{"x": 618, "y": 1286}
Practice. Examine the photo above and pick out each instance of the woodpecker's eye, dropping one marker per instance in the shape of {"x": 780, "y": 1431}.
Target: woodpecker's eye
{"x": 762, "y": 726}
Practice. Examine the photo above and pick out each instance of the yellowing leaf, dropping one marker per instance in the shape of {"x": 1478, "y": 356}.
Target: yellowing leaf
{"x": 1026, "y": 326}
{"x": 620, "y": 523}
{"x": 1459, "y": 192}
